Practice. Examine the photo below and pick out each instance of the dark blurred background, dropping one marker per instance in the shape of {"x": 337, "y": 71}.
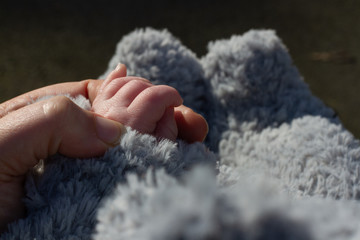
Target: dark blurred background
{"x": 44, "y": 42}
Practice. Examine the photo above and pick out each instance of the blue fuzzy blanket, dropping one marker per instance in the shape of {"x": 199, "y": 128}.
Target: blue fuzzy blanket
{"x": 277, "y": 163}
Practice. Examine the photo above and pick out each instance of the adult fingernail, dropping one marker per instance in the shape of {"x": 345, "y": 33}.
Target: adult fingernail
{"x": 109, "y": 131}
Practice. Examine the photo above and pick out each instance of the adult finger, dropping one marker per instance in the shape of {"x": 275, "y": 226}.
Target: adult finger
{"x": 192, "y": 127}
{"x": 87, "y": 88}
{"x": 44, "y": 128}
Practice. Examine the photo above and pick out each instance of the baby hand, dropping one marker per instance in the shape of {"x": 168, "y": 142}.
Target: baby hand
{"x": 137, "y": 103}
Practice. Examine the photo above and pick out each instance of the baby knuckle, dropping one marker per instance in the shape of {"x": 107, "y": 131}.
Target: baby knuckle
{"x": 167, "y": 92}
{"x": 133, "y": 78}
{"x": 121, "y": 82}
{"x": 140, "y": 83}
{"x": 168, "y": 89}
{"x": 141, "y": 79}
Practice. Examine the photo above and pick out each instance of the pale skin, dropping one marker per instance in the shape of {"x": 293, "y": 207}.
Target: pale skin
{"x": 32, "y": 132}
{"x": 148, "y": 108}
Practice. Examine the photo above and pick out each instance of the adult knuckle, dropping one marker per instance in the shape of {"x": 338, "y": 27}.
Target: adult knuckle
{"x": 58, "y": 107}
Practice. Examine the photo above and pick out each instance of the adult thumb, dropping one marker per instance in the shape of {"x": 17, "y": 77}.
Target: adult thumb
{"x": 56, "y": 125}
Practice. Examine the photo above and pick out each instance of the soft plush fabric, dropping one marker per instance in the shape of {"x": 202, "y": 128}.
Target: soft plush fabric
{"x": 277, "y": 163}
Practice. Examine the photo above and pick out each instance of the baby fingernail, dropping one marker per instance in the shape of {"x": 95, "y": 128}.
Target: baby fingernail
{"x": 109, "y": 131}
{"x": 118, "y": 67}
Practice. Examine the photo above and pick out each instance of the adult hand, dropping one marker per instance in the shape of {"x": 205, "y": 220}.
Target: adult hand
{"x": 29, "y": 133}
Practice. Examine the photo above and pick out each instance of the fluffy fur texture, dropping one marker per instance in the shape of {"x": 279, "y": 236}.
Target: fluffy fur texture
{"x": 281, "y": 165}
